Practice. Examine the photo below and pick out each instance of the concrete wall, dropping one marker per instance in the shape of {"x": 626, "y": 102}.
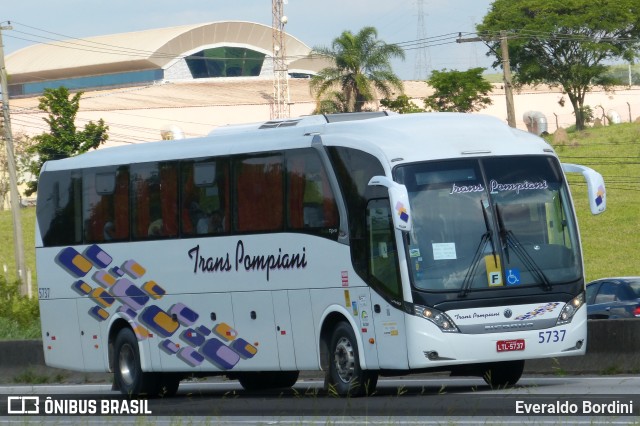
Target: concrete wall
{"x": 613, "y": 347}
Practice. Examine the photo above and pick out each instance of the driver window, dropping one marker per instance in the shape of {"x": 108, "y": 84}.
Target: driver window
{"x": 383, "y": 255}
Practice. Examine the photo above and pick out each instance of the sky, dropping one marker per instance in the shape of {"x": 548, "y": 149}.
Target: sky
{"x": 315, "y": 23}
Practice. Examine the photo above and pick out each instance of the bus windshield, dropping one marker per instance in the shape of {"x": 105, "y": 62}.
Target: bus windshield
{"x": 490, "y": 223}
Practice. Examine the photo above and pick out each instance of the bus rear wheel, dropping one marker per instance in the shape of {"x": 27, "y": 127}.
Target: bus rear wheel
{"x": 503, "y": 374}
{"x": 128, "y": 374}
{"x": 262, "y": 380}
{"x": 345, "y": 375}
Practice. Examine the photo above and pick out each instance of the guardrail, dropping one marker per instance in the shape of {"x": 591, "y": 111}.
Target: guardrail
{"x": 613, "y": 347}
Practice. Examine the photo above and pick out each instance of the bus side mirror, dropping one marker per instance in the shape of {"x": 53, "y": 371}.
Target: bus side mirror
{"x": 399, "y": 200}
{"x": 595, "y": 186}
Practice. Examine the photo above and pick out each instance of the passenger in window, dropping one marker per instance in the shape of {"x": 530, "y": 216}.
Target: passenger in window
{"x": 217, "y": 222}
{"x": 155, "y": 228}
{"x": 109, "y": 230}
{"x": 210, "y": 223}
{"x": 204, "y": 224}
{"x": 196, "y": 214}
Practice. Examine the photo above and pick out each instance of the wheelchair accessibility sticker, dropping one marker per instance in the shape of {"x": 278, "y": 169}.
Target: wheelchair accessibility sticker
{"x": 513, "y": 276}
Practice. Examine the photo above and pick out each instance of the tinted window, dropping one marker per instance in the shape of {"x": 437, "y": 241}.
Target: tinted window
{"x": 154, "y": 200}
{"x": 607, "y": 293}
{"x": 59, "y": 208}
{"x": 383, "y": 254}
{"x": 354, "y": 170}
{"x": 106, "y": 204}
{"x": 591, "y": 292}
{"x": 311, "y": 206}
{"x": 205, "y": 197}
{"x": 259, "y": 193}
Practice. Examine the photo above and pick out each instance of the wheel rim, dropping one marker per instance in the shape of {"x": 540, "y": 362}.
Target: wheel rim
{"x": 127, "y": 364}
{"x": 344, "y": 360}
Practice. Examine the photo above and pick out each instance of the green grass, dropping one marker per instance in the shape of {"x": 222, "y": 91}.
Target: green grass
{"x": 610, "y": 240}
{"x": 7, "y": 256}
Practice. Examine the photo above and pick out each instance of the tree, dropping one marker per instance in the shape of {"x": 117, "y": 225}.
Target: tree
{"x": 21, "y": 143}
{"x": 458, "y": 91}
{"x": 564, "y": 42}
{"x": 362, "y": 66}
{"x": 63, "y": 140}
{"x": 402, "y": 105}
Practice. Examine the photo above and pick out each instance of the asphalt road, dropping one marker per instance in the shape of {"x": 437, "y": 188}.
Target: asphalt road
{"x": 433, "y": 400}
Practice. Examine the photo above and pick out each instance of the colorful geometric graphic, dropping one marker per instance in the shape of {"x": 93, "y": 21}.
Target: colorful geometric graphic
{"x": 104, "y": 278}
{"x": 539, "y": 311}
{"x": 243, "y": 348}
{"x": 98, "y": 313}
{"x": 190, "y": 356}
{"x": 192, "y": 337}
{"x": 99, "y": 257}
{"x": 159, "y": 321}
{"x": 74, "y": 262}
{"x": 225, "y": 332}
{"x": 129, "y": 294}
{"x": 153, "y": 289}
{"x": 119, "y": 291}
{"x": 600, "y": 195}
{"x": 401, "y": 210}
{"x": 81, "y": 287}
{"x": 219, "y": 354}
{"x": 169, "y": 347}
{"x": 102, "y": 297}
{"x": 185, "y": 315}
{"x": 133, "y": 268}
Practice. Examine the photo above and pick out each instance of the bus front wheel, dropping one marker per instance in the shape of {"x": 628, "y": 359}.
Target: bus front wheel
{"x": 345, "y": 375}
{"x": 128, "y": 374}
{"x": 503, "y": 374}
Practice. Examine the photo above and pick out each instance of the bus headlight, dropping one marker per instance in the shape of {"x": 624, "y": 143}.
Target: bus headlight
{"x": 570, "y": 309}
{"x": 440, "y": 319}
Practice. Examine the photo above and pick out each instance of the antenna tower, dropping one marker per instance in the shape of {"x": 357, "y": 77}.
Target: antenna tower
{"x": 423, "y": 58}
{"x": 280, "y": 105}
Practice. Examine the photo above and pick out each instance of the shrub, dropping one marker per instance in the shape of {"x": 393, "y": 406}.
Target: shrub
{"x": 19, "y": 315}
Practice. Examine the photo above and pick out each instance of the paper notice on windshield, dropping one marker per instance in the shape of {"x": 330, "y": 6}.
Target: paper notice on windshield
{"x": 442, "y": 251}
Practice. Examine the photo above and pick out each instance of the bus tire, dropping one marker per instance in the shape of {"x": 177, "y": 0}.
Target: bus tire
{"x": 503, "y": 374}
{"x": 253, "y": 381}
{"x": 128, "y": 374}
{"x": 345, "y": 376}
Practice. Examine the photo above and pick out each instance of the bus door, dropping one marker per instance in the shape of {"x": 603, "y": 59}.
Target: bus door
{"x": 384, "y": 278}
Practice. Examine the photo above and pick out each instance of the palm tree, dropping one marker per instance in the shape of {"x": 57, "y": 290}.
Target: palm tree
{"x": 362, "y": 67}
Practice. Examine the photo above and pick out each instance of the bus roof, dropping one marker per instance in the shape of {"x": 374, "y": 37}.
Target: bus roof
{"x": 401, "y": 138}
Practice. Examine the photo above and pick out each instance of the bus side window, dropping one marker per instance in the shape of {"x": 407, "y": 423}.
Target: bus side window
{"x": 154, "y": 193}
{"x": 59, "y": 208}
{"x": 311, "y": 206}
{"x": 106, "y": 204}
{"x": 383, "y": 254}
{"x": 204, "y": 192}
{"x": 259, "y": 193}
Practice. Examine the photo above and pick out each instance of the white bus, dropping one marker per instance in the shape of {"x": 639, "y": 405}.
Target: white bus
{"x": 357, "y": 244}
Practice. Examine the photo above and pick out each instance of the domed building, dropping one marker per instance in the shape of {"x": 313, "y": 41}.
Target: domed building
{"x": 189, "y": 52}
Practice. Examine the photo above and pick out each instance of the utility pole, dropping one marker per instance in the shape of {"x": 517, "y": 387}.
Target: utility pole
{"x": 423, "y": 62}
{"x": 280, "y": 69}
{"x": 506, "y": 72}
{"x": 13, "y": 182}
{"x": 508, "y": 86}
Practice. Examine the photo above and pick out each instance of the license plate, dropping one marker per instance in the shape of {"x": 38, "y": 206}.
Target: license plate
{"x": 510, "y": 345}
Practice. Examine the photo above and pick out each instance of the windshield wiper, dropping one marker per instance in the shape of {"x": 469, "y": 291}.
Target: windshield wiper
{"x": 486, "y": 237}
{"x": 509, "y": 240}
